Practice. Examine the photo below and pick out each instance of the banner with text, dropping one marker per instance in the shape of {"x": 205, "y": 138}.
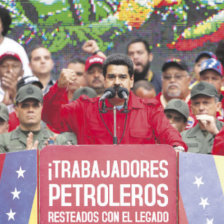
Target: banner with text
{"x": 108, "y": 184}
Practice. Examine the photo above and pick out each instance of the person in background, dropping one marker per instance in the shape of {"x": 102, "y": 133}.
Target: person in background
{"x": 13, "y": 119}
{"x": 87, "y": 91}
{"x": 41, "y": 64}
{"x": 140, "y": 53}
{"x": 219, "y": 51}
{"x": 94, "y": 73}
{"x": 10, "y": 45}
{"x": 91, "y": 47}
{"x": 204, "y": 103}
{"x": 212, "y": 72}
{"x": 177, "y": 113}
{"x": 11, "y": 70}
{"x": 202, "y": 56}
{"x": 175, "y": 85}
{"x": 29, "y": 134}
{"x": 78, "y": 66}
{"x": 4, "y": 118}
{"x": 144, "y": 89}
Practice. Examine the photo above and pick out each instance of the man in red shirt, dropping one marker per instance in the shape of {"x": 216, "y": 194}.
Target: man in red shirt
{"x": 218, "y": 146}
{"x": 94, "y": 73}
{"x": 175, "y": 85}
{"x": 142, "y": 122}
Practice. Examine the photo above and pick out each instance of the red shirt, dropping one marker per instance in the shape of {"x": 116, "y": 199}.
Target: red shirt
{"x": 13, "y": 121}
{"x": 218, "y": 145}
{"x": 146, "y": 122}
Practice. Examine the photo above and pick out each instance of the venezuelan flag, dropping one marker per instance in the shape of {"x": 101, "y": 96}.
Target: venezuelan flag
{"x": 18, "y": 187}
{"x": 201, "y": 188}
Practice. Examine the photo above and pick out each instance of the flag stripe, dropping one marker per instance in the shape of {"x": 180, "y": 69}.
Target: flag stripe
{"x": 2, "y": 159}
{"x": 219, "y": 162}
{"x": 182, "y": 214}
{"x": 34, "y": 212}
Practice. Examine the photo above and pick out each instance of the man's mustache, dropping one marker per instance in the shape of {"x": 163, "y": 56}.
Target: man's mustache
{"x": 96, "y": 80}
{"x": 173, "y": 85}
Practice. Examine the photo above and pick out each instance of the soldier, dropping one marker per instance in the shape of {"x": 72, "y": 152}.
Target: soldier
{"x": 13, "y": 119}
{"x": 4, "y": 118}
{"x": 29, "y": 134}
{"x": 204, "y": 104}
{"x": 177, "y": 113}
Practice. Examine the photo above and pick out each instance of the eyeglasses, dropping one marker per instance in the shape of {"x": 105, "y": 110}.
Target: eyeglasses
{"x": 177, "y": 77}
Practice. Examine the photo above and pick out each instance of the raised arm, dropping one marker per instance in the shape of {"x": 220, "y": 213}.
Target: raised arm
{"x": 54, "y": 100}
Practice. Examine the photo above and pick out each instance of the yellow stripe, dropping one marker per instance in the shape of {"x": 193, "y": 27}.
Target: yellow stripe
{"x": 33, "y": 215}
{"x": 219, "y": 161}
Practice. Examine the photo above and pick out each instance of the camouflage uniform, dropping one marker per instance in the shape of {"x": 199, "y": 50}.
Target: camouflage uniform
{"x": 16, "y": 140}
{"x": 66, "y": 138}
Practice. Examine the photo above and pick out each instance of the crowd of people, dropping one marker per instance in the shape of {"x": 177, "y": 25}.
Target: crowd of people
{"x": 114, "y": 99}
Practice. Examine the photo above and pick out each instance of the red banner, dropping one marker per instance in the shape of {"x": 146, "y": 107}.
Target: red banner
{"x": 108, "y": 184}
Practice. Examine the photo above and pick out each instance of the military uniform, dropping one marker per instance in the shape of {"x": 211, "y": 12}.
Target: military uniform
{"x": 66, "y": 138}
{"x": 200, "y": 141}
{"x": 16, "y": 140}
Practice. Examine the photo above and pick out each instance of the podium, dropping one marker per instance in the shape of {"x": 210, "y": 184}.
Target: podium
{"x": 111, "y": 184}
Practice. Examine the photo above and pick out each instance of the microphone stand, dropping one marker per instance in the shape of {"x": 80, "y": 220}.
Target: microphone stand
{"x": 115, "y": 126}
{"x": 125, "y": 107}
{"x": 104, "y": 110}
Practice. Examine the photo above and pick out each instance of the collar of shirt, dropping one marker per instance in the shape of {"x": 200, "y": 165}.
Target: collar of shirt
{"x": 164, "y": 102}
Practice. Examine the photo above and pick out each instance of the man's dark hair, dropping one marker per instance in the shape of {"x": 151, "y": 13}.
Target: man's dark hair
{"x": 144, "y": 84}
{"x": 77, "y": 61}
{"x": 34, "y": 48}
{"x": 220, "y": 52}
{"x": 6, "y": 20}
{"x": 118, "y": 59}
{"x": 140, "y": 40}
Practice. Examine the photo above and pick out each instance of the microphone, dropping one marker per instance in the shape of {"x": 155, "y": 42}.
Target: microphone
{"x": 122, "y": 93}
{"x": 108, "y": 93}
